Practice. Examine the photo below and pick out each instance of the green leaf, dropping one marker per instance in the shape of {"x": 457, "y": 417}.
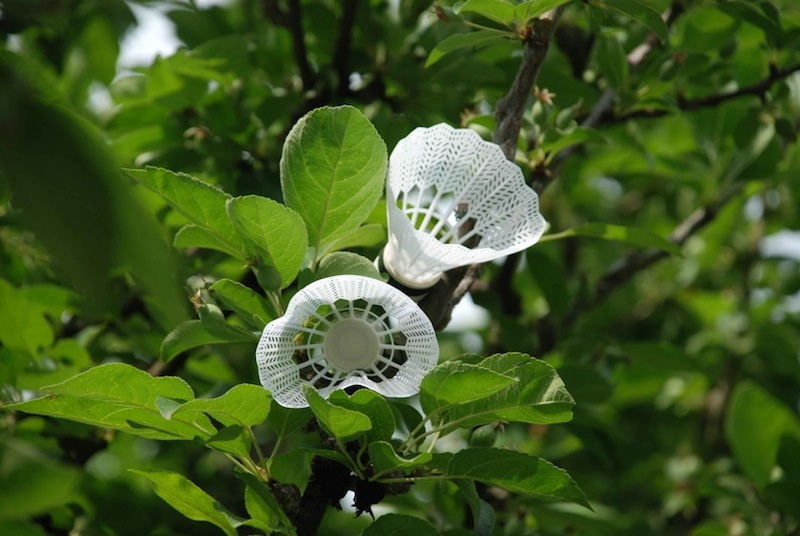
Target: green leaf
{"x": 400, "y": 525}
{"x": 50, "y": 299}
{"x": 532, "y": 9}
{"x": 373, "y": 406}
{"x": 277, "y": 233}
{"x": 333, "y": 170}
{"x": 263, "y": 508}
{"x": 575, "y": 136}
{"x": 368, "y": 235}
{"x": 121, "y": 397}
{"x": 245, "y": 405}
{"x": 463, "y": 40}
{"x": 750, "y": 12}
{"x": 33, "y": 483}
{"x": 754, "y": 424}
{"x": 345, "y": 262}
{"x": 22, "y": 326}
{"x": 537, "y": 397}
{"x": 292, "y": 467}
{"x": 231, "y": 440}
{"x": 482, "y": 512}
{"x": 643, "y": 13}
{"x": 284, "y": 421}
{"x": 66, "y": 185}
{"x": 612, "y": 60}
{"x": 343, "y": 424}
{"x": 200, "y": 202}
{"x": 194, "y": 236}
{"x": 514, "y": 471}
{"x": 244, "y": 301}
{"x": 386, "y": 460}
{"x": 500, "y": 11}
{"x": 191, "y": 501}
{"x": 194, "y": 333}
{"x": 406, "y": 414}
{"x": 453, "y": 383}
{"x": 630, "y": 235}
{"x": 550, "y": 278}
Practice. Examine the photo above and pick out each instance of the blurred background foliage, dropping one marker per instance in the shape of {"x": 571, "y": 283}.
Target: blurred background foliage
{"x": 685, "y": 369}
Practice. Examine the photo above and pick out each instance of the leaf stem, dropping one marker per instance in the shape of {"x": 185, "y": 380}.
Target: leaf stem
{"x": 557, "y": 236}
{"x": 357, "y": 469}
{"x": 276, "y": 302}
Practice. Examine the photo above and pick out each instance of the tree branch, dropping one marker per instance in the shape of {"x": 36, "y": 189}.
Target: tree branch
{"x": 292, "y": 20}
{"x": 634, "y": 263}
{"x": 511, "y": 107}
{"x": 604, "y": 107}
{"x": 341, "y": 50}
{"x": 438, "y": 304}
{"x": 758, "y": 89}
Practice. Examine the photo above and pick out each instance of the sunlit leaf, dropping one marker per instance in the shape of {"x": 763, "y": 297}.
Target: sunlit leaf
{"x": 194, "y": 333}
{"x": 463, "y": 40}
{"x": 514, "y": 471}
{"x": 642, "y": 13}
{"x": 345, "y": 262}
{"x": 373, "y": 406}
{"x": 385, "y": 459}
{"x": 231, "y": 440}
{"x": 276, "y": 233}
{"x": 538, "y": 396}
{"x": 244, "y": 301}
{"x": 454, "y": 383}
{"x": 333, "y": 169}
{"x": 188, "y": 499}
{"x": 525, "y": 11}
{"x": 367, "y": 235}
{"x": 343, "y": 424}
{"x": 121, "y": 397}
{"x": 500, "y": 11}
{"x": 22, "y": 326}
{"x": 244, "y": 404}
{"x": 200, "y": 202}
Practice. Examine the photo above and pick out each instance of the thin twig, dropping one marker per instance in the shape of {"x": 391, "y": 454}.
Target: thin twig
{"x": 438, "y": 304}
{"x": 634, "y": 263}
{"x": 292, "y": 20}
{"x": 511, "y": 107}
{"x": 604, "y": 107}
{"x": 341, "y": 50}
{"x": 758, "y": 89}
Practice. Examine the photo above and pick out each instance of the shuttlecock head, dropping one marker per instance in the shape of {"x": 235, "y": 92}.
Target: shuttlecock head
{"x": 454, "y": 199}
{"x": 343, "y": 331}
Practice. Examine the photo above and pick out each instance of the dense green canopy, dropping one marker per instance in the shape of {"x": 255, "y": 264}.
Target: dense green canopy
{"x": 155, "y": 217}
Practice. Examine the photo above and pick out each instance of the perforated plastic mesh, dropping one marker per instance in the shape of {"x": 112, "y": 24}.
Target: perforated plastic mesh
{"x": 457, "y": 201}
{"x": 342, "y": 331}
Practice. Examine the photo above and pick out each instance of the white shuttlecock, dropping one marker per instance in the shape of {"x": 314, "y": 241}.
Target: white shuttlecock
{"x": 342, "y": 331}
{"x": 454, "y": 199}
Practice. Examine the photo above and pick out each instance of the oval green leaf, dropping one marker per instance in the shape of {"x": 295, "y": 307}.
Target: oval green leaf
{"x": 333, "y": 170}
{"x": 275, "y": 232}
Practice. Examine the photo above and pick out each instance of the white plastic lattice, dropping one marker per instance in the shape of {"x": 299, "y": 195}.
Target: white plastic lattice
{"x": 342, "y": 331}
{"x": 457, "y": 201}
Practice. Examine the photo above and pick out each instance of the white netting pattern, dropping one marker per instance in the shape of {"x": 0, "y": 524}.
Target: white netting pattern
{"x": 451, "y": 187}
{"x": 299, "y": 347}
